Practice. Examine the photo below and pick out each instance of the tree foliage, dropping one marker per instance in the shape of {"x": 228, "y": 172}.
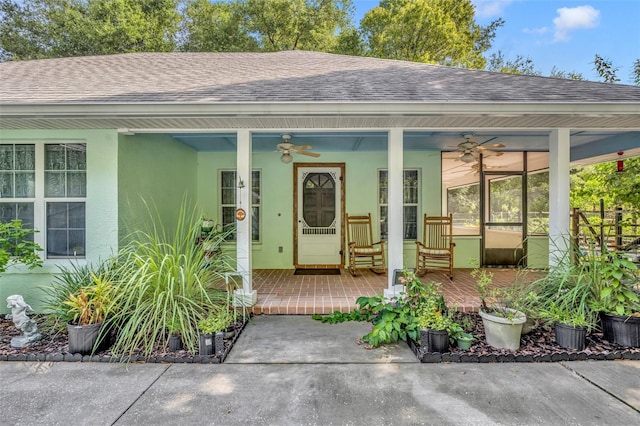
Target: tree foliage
{"x": 432, "y": 31}
{"x": 297, "y": 24}
{"x": 605, "y": 69}
{"x": 519, "y": 65}
{"x": 215, "y": 27}
{"x": 591, "y": 183}
{"x": 38, "y": 29}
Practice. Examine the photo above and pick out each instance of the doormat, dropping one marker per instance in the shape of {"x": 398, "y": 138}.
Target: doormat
{"x": 317, "y": 271}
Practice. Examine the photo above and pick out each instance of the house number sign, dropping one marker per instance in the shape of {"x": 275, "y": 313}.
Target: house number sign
{"x": 241, "y": 214}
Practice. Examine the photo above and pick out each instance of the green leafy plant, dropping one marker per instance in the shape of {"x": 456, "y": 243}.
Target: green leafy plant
{"x": 616, "y": 293}
{"x": 72, "y": 287}
{"x": 565, "y": 314}
{"x": 392, "y": 319}
{"x": 165, "y": 277}
{"x": 91, "y": 304}
{"x": 17, "y": 247}
{"x": 219, "y": 321}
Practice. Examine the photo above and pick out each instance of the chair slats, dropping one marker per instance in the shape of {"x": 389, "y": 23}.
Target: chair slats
{"x": 435, "y": 251}
{"x": 363, "y": 252}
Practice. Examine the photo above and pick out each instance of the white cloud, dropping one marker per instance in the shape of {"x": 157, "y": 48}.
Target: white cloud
{"x": 490, "y": 8}
{"x": 538, "y": 31}
{"x": 574, "y": 18}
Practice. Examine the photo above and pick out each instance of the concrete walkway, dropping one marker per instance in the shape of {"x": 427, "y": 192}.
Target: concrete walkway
{"x": 296, "y": 371}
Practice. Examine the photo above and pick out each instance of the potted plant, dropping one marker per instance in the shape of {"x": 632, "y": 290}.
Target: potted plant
{"x": 206, "y": 225}
{"x": 207, "y": 326}
{"x": 616, "y": 297}
{"x": 213, "y": 331}
{"x": 570, "y": 323}
{"x": 502, "y": 325}
{"x": 460, "y": 331}
{"x": 88, "y": 307}
{"x": 436, "y": 327}
{"x": 174, "y": 328}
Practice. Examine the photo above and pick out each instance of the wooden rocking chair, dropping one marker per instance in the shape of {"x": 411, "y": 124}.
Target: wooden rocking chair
{"x": 363, "y": 252}
{"x": 435, "y": 251}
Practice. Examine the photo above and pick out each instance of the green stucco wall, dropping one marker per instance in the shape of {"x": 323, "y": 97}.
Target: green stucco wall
{"x": 158, "y": 170}
{"x": 361, "y": 171}
{"x": 101, "y": 208}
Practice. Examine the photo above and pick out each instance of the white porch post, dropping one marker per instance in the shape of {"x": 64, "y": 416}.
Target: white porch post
{"x": 394, "y": 208}
{"x": 559, "y": 205}
{"x": 245, "y": 296}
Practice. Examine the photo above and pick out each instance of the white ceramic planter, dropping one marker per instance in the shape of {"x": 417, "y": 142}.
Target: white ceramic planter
{"x": 503, "y": 333}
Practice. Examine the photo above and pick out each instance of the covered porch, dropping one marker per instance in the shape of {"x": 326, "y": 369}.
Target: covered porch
{"x": 280, "y": 292}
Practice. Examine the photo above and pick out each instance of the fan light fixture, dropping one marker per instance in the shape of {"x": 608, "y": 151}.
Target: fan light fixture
{"x": 286, "y": 158}
{"x": 467, "y": 157}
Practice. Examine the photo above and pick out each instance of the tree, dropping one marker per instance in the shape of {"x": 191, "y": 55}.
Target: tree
{"x": 297, "y": 24}
{"x": 520, "y": 65}
{"x": 602, "y": 181}
{"x": 571, "y": 75}
{"x": 58, "y": 28}
{"x": 432, "y": 31}
{"x": 636, "y": 72}
{"x": 605, "y": 69}
{"x": 215, "y": 27}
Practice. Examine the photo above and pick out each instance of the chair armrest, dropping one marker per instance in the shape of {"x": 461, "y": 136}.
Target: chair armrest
{"x": 380, "y": 243}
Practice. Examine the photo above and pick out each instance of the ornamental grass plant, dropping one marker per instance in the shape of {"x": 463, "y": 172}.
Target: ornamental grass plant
{"x": 164, "y": 281}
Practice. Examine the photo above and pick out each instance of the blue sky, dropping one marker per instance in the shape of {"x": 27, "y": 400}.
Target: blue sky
{"x": 564, "y": 33}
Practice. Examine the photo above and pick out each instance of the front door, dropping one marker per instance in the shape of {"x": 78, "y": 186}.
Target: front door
{"x": 318, "y": 212}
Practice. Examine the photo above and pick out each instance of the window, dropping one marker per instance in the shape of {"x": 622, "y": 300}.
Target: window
{"x": 410, "y": 202}
{"x": 50, "y": 198}
{"x": 538, "y": 203}
{"x": 228, "y": 187}
{"x": 464, "y": 203}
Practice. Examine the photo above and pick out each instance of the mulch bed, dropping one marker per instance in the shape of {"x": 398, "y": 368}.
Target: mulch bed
{"x": 56, "y": 348}
{"x": 537, "y": 346}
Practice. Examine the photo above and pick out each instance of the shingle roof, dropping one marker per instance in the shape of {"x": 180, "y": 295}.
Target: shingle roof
{"x": 291, "y": 76}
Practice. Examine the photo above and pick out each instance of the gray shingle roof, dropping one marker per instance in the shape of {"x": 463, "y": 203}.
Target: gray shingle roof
{"x": 292, "y": 76}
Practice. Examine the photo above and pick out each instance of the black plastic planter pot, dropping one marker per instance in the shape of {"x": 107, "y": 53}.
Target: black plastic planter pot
{"x": 434, "y": 340}
{"x": 570, "y": 337}
{"x": 438, "y": 341}
{"x": 82, "y": 338}
{"x": 622, "y": 330}
{"x": 175, "y": 342}
{"x": 206, "y": 344}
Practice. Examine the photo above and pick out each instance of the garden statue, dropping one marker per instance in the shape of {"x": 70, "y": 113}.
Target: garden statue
{"x": 19, "y": 309}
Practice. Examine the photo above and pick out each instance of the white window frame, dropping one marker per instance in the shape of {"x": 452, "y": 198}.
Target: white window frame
{"x": 416, "y": 205}
{"x": 258, "y": 205}
{"x": 40, "y": 202}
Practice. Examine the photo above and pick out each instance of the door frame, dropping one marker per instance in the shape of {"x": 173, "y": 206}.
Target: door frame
{"x": 296, "y": 167}
{"x": 484, "y": 194}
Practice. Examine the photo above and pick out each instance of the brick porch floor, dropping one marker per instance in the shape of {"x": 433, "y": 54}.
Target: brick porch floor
{"x": 281, "y": 292}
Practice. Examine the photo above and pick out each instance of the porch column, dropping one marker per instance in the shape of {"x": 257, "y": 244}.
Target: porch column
{"x": 245, "y": 296}
{"x": 559, "y": 205}
{"x": 394, "y": 209}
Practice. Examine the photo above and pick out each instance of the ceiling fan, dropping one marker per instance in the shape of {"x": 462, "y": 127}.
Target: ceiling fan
{"x": 287, "y": 148}
{"x": 471, "y": 150}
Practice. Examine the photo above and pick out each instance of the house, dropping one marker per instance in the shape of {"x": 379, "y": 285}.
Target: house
{"x": 81, "y": 139}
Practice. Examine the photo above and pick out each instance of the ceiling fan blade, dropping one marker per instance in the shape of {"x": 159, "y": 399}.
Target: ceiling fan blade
{"x": 301, "y": 147}
{"x": 310, "y": 154}
{"x": 492, "y": 146}
{"x": 487, "y": 153}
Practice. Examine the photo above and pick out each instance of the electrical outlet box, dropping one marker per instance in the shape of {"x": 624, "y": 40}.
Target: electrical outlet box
{"x": 280, "y": 249}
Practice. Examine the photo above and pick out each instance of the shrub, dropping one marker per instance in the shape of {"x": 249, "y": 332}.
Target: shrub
{"x": 165, "y": 280}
